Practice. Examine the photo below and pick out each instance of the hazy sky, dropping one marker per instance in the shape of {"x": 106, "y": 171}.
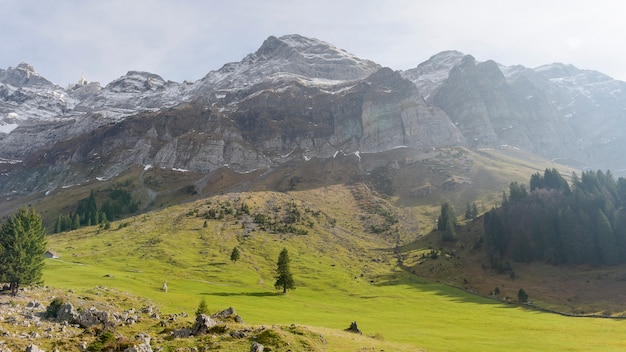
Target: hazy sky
{"x": 185, "y": 39}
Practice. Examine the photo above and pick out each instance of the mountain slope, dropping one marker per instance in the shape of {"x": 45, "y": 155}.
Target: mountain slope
{"x": 295, "y": 99}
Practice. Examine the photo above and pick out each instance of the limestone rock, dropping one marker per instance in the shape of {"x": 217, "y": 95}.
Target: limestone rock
{"x": 66, "y": 313}
{"x": 202, "y": 325}
{"x": 33, "y": 348}
{"x": 256, "y": 347}
{"x": 143, "y": 346}
{"x": 225, "y": 314}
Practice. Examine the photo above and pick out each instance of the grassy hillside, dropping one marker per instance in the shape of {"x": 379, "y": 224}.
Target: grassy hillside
{"x": 347, "y": 222}
{"x": 344, "y": 272}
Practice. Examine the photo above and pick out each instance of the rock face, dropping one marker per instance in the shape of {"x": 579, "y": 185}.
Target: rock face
{"x": 556, "y": 111}
{"x": 491, "y": 112}
{"x": 295, "y": 99}
{"x": 254, "y": 128}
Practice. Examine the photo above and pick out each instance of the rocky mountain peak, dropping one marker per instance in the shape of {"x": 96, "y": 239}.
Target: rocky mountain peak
{"x": 431, "y": 73}
{"x": 291, "y": 56}
{"x": 23, "y": 75}
{"x": 136, "y": 81}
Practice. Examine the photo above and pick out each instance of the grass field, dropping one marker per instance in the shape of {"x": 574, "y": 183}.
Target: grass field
{"x": 342, "y": 275}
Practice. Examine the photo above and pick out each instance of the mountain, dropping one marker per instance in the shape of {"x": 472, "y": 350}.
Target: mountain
{"x": 294, "y": 100}
{"x": 557, "y": 111}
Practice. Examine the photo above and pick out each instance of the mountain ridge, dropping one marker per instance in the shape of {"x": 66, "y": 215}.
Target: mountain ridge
{"x": 296, "y": 98}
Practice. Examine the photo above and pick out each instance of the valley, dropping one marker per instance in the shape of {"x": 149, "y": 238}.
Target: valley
{"x": 146, "y": 187}
{"x": 342, "y": 272}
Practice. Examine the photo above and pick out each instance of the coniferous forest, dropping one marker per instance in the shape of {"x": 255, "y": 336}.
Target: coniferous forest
{"x": 582, "y": 222}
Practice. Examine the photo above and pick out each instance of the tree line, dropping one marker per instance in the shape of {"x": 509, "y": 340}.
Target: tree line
{"x": 581, "y": 222}
{"x": 118, "y": 203}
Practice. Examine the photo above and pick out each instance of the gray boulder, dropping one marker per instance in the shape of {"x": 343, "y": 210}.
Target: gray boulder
{"x": 256, "y": 347}
{"x": 202, "y": 325}
{"x": 33, "y": 348}
{"x": 66, "y": 313}
{"x": 143, "y": 346}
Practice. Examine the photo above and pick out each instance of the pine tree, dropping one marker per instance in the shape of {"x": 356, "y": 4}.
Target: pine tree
{"x": 447, "y": 223}
{"x": 76, "y": 222}
{"x": 474, "y": 211}
{"x": 522, "y": 296}
{"x": 468, "y": 211}
{"x": 22, "y": 249}
{"x": 234, "y": 255}
{"x": 606, "y": 241}
{"x": 202, "y": 308}
{"x": 284, "y": 279}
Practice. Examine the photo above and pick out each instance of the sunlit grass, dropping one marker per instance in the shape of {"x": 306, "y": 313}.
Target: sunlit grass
{"x": 341, "y": 276}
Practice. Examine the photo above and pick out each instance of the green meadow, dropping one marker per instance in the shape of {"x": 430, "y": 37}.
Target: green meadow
{"x": 341, "y": 276}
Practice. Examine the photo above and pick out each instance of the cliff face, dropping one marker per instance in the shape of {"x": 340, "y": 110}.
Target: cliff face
{"x": 555, "y": 111}
{"x": 491, "y": 112}
{"x": 255, "y": 128}
{"x": 298, "y": 98}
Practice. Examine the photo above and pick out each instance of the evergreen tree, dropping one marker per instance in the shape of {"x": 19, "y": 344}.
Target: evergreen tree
{"x": 75, "y": 222}
{"x": 522, "y": 296}
{"x": 234, "y": 255}
{"x": 468, "y": 212}
{"x": 447, "y": 223}
{"x": 202, "y": 308}
{"x": 536, "y": 181}
{"x": 22, "y": 249}
{"x": 284, "y": 279}
{"x": 57, "y": 225}
{"x": 474, "y": 211}
{"x": 517, "y": 192}
{"x": 606, "y": 241}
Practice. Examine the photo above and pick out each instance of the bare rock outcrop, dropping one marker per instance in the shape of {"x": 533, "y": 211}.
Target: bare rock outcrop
{"x": 202, "y": 325}
{"x": 256, "y": 347}
{"x": 142, "y": 346}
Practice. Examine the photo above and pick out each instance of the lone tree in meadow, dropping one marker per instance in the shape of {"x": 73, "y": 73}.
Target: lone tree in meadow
{"x": 284, "y": 279}
{"x": 234, "y": 255}
{"x": 202, "y": 308}
{"x": 22, "y": 249}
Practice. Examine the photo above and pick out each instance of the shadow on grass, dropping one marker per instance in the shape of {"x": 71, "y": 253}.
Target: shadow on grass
{"x": 455, "y": 294}
{"x": 250, "y": 294}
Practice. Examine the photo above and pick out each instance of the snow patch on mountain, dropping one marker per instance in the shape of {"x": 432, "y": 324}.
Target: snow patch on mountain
{"x": 430, "y": 74}
{"x": 291, "y": 56}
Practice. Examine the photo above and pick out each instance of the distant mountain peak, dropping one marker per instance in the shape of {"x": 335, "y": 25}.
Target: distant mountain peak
{"x": 431, "y": 73}
{"x": 27, "y": 69}
{"x": 136, "y": 81}
{"x": 291, "y": 56}
{"x": 23, "y": 75}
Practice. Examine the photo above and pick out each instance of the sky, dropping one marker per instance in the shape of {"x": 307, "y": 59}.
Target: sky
{"x": 185, "y": 39}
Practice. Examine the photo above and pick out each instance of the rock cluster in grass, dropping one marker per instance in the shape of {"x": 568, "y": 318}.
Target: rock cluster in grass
{"x": 92, "y": 316}
{"x": 26, "y": 323}
{"x": 67, "y": 322}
